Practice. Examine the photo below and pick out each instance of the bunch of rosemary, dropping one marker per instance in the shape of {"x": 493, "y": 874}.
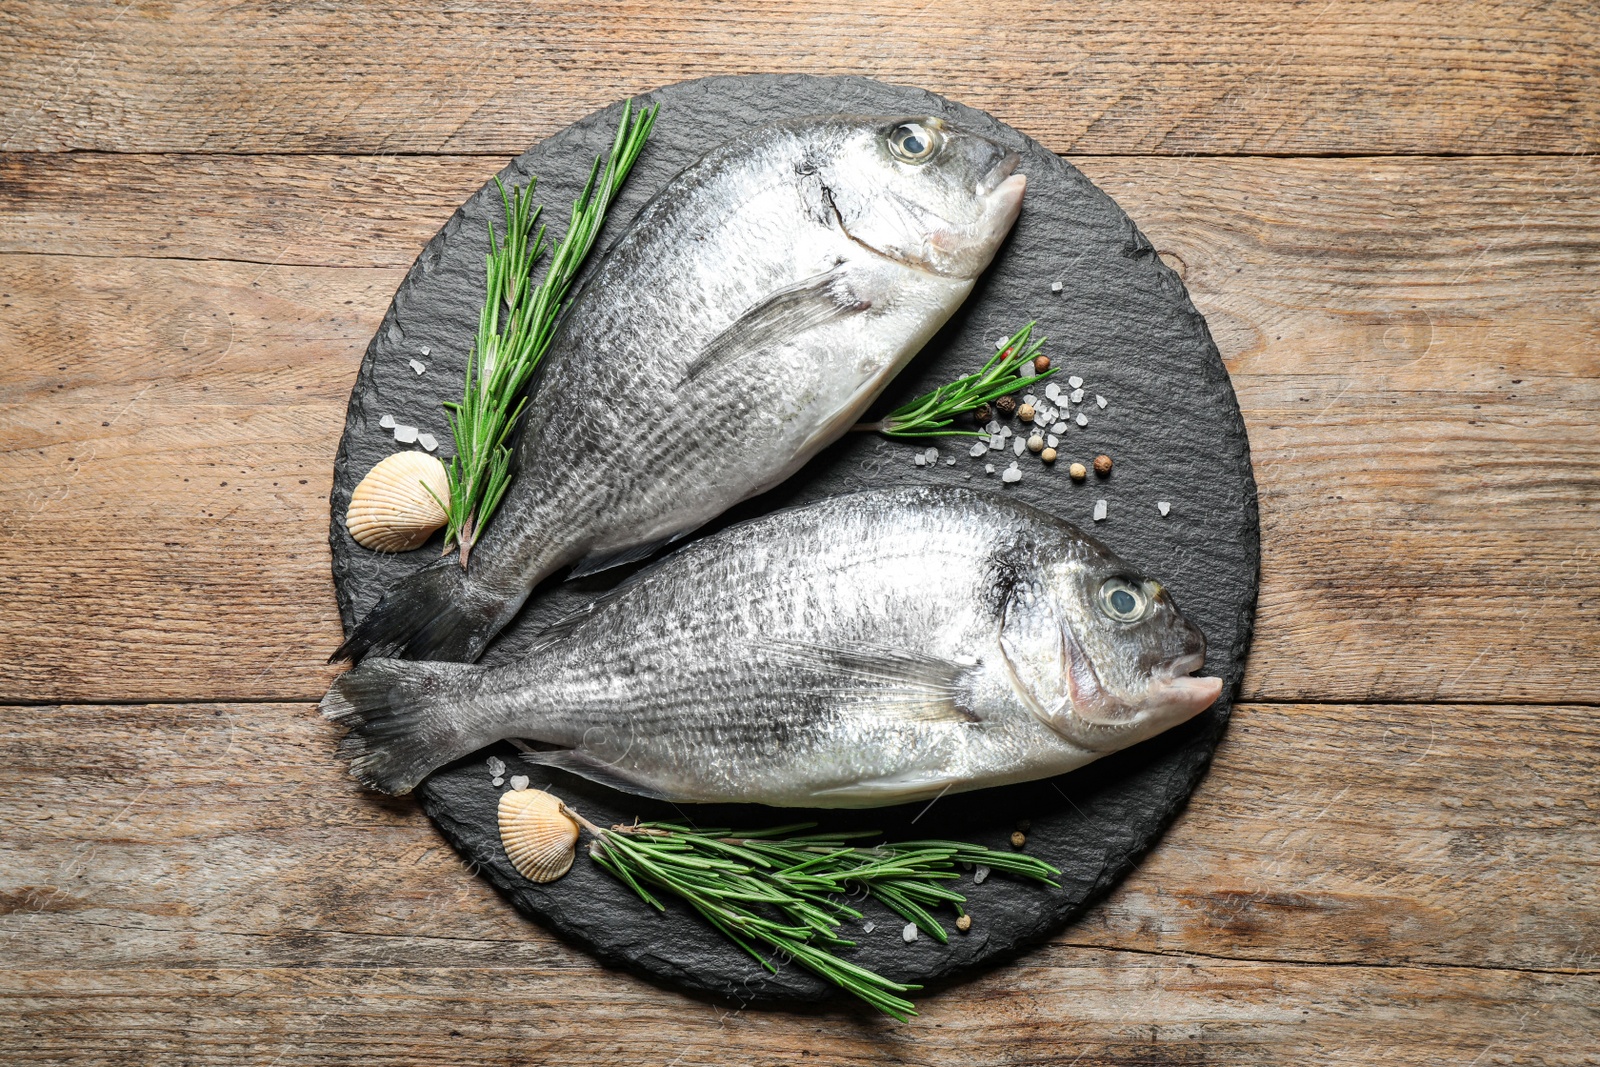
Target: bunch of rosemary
{"x": 515, "y": 327}
{"x": 781, "y": 889}
{"x": 933, "y": 414}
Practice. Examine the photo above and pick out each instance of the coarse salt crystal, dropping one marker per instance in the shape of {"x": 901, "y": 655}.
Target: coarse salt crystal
{"x": 1074, "y": 381}
{"x": 1059, "y": 427}
{"x": 1099, "y": 511}
{"x": 909, "y": 934}
{"x": 1082, "y": 420}
{"x": 417, "y": 365}
{"x": 1055, "y": 287}
{"x": 1026, "y": 370}
{"x": 1100, "y": 401}
{"x": 1005, "y": 431}
{"x": 387, "y": 422}
{"x": 1000, "y": 342}
{"x": 428, "y": 441}
{"x": 519, "y": 782}
{"x": 497, "y": 766}
{"x": 951, "y": 462}
{"x": 1052, "y": 440}
{"x": 1018, "y": 445}
{"x": 1030, "y": 400}
{"x": 424, "y": 349}
{"x": 406, "y": 435}
{"x": 498, "y": 781}
{"x": 1052, "y": 391}
{"x": 920, "y": 460}
{"x": 977, "y": 450}
{"x": 988, "y": 468}
{"x": 993, "y": 427}
{"x": 996, "y": 442}
{"x": 1164, "y": 506}
{"x": 867, "y": 926}
{"x": 979, "y": 873}
{"x": 1012, "y": 474}
{"x": 932, "y": 455}
{"x": 1077, "y": 396}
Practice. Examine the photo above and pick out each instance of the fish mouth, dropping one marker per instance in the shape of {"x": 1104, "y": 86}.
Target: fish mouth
{"x": 1177, "y": 689}
{"x": 1001, "y": 172}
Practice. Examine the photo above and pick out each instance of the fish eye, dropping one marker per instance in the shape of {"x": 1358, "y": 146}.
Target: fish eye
{"x": 1123, "y": 600}
{"x": 912, "y": 142}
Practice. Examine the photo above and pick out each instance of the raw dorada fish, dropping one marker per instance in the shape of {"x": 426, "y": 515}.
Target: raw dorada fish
{"x": 753, "y": 309}
{"x": 870, "y": 649}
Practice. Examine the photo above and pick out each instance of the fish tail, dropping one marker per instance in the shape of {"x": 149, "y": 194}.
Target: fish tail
{"x": 435, "y": 614}
{"x": 405, "y": 720}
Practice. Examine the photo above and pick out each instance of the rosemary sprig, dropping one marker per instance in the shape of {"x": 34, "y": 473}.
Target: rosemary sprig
{"x": 780, "y": 889}
{"x": 515, "y": 327}
{"x": 933, "y": 414}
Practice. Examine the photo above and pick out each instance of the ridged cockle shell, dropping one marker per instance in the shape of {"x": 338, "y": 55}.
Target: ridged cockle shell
{"x": 391, "y": 511}
{"x": 539, "y": 837}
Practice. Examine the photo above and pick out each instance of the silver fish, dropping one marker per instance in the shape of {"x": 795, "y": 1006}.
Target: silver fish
{"x": 757, "y": 304}
{"x": 870, "y": 649}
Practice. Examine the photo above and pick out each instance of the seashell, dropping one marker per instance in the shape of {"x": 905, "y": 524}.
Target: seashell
{"x": 539, "y": 837}
{"x": 390, "y": 511}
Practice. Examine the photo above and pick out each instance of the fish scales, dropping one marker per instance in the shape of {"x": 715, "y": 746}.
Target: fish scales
{"x": 868, "y": 649}
{"x": 768, "y": 293}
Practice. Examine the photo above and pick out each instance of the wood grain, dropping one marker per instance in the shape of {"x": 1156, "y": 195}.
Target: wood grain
{"x": 1413, "y": 342}
{"x": 1145, "y": 76}
{"x": 176, "y": 870}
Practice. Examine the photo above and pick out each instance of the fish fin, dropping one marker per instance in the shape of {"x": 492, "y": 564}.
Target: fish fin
{"x": 433, "y": 614}
{"x": 804, "y": 305}
{"x": 596, "y": 562}
{"x": 585, "y": 766}
{"x": 893, "y": 789}
{"x": 399, "y": 720}
{"x": 905, "y": 685}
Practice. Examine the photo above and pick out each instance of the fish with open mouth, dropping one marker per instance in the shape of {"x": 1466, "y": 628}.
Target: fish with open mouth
{"x": 751, "y": 312}
{"x": 870, "y": 649}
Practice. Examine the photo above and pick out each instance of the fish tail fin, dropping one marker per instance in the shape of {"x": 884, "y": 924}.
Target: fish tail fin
{"x": 434, "y": 614}
{"x": 404, "y": 720}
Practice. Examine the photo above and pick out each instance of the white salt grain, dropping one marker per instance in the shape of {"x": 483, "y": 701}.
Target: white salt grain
{"x": 951, "y": 462}
{"x": 406, "y": 435}
{"x": 920, "y": 460}
{"x": 909, "y": 934}
{"x": 1077, "y": 396}
{"x": 497, "y": 766}
{"x": 932, "y": 455}
{"x": 1100, "y": 401}
{"x": 1051, "y": 440}
{"x": 993, "y": 427}
{"x": 1055, "y": 287}
{"x": 988, "y": 468}
{"x": 1099, "y": 511}
{"x": 1026, "y": 370}
{"x": 424, "y": 349}
{"x": 1018, "y": 446}
{"x": 977, "y": 450}
{"x": 498, "y": 781}
{"x": 1164, "y": 506}
{"x": 519, "y": 782}
{"x": 1052, "y": 391}
{"x": 1005, "y": 431}
{"x": 1030, "y": 400}
{"x": 979, "y": 873}
{"x": 428, "y": 441}
{"x": 1082, "y": 420}
{"x": 387, "y": 422}
{"x": 1075, "y": 381}
{"x": 867, "y": 926}
{"x": 1059, "y": 427}
{"x": 417, "y": 365}
{"x": 1000, "y": 342}
{"x": 997, "y": 442}
{"x": 1012, "y": 474}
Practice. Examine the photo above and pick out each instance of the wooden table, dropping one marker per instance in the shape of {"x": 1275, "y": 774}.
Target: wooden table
{"x": 1389, "y": 211}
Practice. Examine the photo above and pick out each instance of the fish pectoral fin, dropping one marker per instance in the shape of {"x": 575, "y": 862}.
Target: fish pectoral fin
{"x": 893, "y": 789}
{"x": 904, "y": 685}
{"x": 793, "y": 309}
{"x": 585, "y": 766}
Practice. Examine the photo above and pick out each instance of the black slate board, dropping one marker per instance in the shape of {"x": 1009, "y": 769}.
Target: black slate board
{"x": 1122, "y": 321}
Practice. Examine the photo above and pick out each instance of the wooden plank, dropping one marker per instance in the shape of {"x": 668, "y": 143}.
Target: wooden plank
{"x": 1139, "y": 76}
{"x": 174, "y": 872}
{"x": 1413, "y": 342}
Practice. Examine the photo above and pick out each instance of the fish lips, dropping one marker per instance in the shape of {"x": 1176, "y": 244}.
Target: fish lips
{"x": 1182, "y": 694}
{"x": 1002, "y": 172}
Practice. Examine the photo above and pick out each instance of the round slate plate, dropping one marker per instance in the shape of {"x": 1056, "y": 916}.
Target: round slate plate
{"x": 1122, "y": 321}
